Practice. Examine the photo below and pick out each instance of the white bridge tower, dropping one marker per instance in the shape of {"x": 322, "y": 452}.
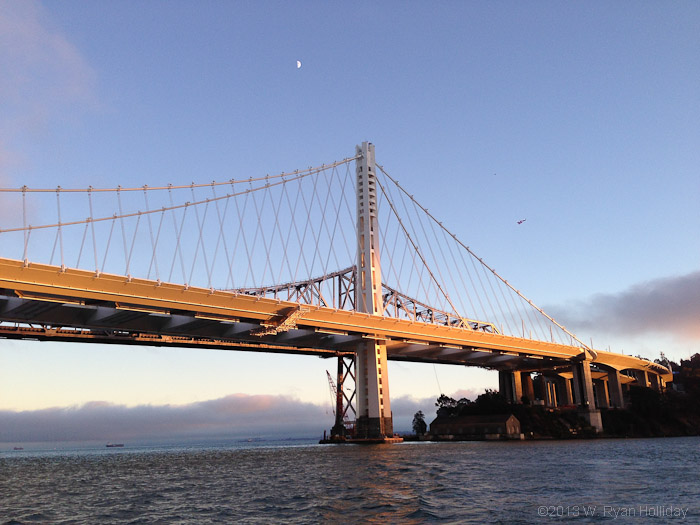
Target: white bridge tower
{"x": 374, "y": 419}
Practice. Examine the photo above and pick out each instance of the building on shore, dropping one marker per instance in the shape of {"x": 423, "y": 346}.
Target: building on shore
{"x": 476, "y": 427}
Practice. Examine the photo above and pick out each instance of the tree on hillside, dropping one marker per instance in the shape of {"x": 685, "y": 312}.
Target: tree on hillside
{"x": 419, "y": 425}
{"x": 491, "y": 402}
{"x": 445, "y": 402}
{"x": 693, "y": 362}
{"x": 665, "y": 361}
{"x": 446, "y": 405}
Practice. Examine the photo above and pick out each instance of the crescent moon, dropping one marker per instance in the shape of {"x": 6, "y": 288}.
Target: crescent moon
{"x": 298, "y": 64}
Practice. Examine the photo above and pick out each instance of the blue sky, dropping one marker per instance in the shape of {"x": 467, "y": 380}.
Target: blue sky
{"x": 580, "y": 117}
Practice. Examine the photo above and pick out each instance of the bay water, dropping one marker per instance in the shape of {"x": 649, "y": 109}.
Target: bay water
{"x": 582, "y": 481}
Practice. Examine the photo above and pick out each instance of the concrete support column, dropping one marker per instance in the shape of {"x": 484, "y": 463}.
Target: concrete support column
{"x": 583, "y": 385}
{"x": 654, "y": 379}
{"x": 564, "y": 390}
{"x": 552, "y": 400}
{"x": 601, "y": 390}
{"x": 528, "y": 387}
{"x": 517, "y": 387}
{"x": 642, "y": 377}
{"x": 575, "y": 390}
{"x": 616, "y": 398}
{"x": 505, "y": 385}
{"x": 540, "y": 389}
{"x": 546, "y": 392}
{"x": 373, "y": 405}
{"x": 510, "y": 386}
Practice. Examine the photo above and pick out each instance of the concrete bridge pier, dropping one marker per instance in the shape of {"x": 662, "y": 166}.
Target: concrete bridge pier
{"x": 510, "y": 385}
{"x": 601, "y": 393}
{"x": 528, "y": 386}
{"x": 642, "y": 377}
{"x": 556, "y": 390}
{"x": 615, "y": 387}
{"x": 583, "y": 392}
{"x": 656, "y": 382}
{"x": 554, "y": 394}
{"x": 374, "y": 413}
{"x": 551, "y": 399}
{"x": 564, "y": 388}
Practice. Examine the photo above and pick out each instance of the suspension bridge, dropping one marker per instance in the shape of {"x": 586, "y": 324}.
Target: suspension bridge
{"x": 337, "y": 261}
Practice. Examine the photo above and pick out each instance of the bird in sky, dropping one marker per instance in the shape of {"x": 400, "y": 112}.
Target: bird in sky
{"x": 522, "y": 221}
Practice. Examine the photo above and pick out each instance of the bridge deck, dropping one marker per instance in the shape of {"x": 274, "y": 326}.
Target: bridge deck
{"x": 40, "y": 301}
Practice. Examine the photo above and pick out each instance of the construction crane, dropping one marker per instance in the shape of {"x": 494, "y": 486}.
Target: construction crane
{"x": 334, "y": 391}
{"x": 342, "y": 404}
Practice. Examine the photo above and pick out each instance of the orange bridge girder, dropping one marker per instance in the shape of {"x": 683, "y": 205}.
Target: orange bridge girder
{"x": 78, "y": 304}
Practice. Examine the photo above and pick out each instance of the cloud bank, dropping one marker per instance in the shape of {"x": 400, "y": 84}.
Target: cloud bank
{"x": 233, "y": 416}
{"x": 664, "y": 306}
{"x": 237, "y": 415}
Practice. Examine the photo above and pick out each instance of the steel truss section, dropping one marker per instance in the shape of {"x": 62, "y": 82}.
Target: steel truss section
{"x": 337, "y": 290}
{"x": 346, "y": 364}
{"x": 401, "y": 306}
{"x": 345, "y": 411}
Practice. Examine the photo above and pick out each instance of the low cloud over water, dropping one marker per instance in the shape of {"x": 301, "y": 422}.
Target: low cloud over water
{"x": 230, "y": 416}
{"x": 236, "y": 415}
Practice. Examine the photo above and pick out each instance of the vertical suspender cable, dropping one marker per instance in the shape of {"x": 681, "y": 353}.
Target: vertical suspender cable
{"x": 92, "y": 227}
{"x": 109, "y": 242}
{"x": 133, "y": 242}
{"x": 24, "y": 223}
{"x": 121, "y": 221}
{"x": 60, "y": 231}
{"x": 82, "y": 245}
{"x": 178, "y": 231}
{"x": 222, "y": 237}
{"x": 150, "y": 233}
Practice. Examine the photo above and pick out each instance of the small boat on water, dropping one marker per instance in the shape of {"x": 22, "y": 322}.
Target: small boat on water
{"x": 18, "y": 448}
{"x": 114, "y": 445}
